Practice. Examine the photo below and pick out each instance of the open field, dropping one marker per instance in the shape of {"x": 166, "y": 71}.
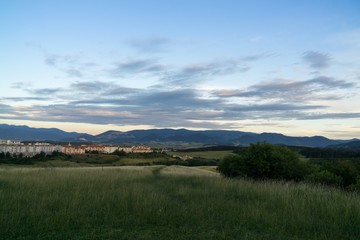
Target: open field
{"x": 160, "y": 202}
{"x": 204, "y": 154}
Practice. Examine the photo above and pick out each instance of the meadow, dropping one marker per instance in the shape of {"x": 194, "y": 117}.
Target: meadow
{"x": 167, "y": 202}
{"x": 204, "y": 154}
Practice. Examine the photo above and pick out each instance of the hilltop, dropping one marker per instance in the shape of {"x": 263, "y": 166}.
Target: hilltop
{"x": 164, "y": 137}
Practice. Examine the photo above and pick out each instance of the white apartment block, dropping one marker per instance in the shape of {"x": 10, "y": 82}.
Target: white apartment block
{"x": 32, "y": 149}
{"x": 28, "y": 149}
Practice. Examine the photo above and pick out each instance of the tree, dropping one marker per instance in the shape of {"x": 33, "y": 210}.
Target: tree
{"x": 324, "y": 177}
{"x": 120, "y": 153}
{"x": 263, "y": 161}
{"x": 40, "y": 156}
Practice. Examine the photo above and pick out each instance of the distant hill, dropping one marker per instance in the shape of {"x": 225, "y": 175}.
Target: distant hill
{"x": 172, "y": 135}
{"x": 25, "y": 133}
{"x": 210, "y": 137}
{"x": 164, "y": 136}
{"x": 352, "y": 145}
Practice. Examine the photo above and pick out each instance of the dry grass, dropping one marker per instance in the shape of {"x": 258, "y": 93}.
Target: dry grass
{"x": 167, "y": 203}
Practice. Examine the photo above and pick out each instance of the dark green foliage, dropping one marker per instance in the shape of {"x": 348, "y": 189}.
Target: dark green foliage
{"x": 324, "y": 177}
{"x": 7, "y": 158}
{"x": 263, "y": 161}
{"x": 329, "y": 153}
{"x": 121, "y": 153}
{"x": 348, "y": 171}
{"x": 231, "y": 166}
{"x": 40, "y": 156}
{"x": 356, "y": 185}
{"x": 147, "y": 155}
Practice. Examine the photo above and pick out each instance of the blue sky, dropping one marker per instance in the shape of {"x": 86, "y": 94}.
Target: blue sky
{"x": 291, "y": 67}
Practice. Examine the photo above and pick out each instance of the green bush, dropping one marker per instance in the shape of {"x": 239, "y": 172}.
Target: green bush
{"x": 346, "y": 170}
{"x": 263, "y": 161}
{"x": 324, "y": 177}
{"x": 355, "y": 186}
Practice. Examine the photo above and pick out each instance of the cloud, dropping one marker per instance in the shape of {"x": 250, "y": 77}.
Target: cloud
{"x": 338, "y": 115}
{"x": 136, "y": 66}
{"x": 54, "y": 60}
{"x": 316, "y": 60}
{"x": 80, "y": 91}
{"x": 185, "y": 107}
{"x": 5, "y": 109}
{"x": 149, "y": 45}
{"x": 91, "y": 86}
{"x": 74, "y": 73}
{"x": 120, "y": 91}
{"x": 172, "y": 100}
{"x": 317, "y": 88}
{"x": 183, "y": 76}
{"x": 193, "y": 73}
{"x": 21, "y": 85}
{"x": 110, "y": 103}
{"x": 153, "y": 107}
{"x": 329, "y": 83}
{"x": 51, "y": 61}
{"x": 71, "y": 65}
{"x": 22, "y": 99}
{"x": 45, "y": 91}
{"x": 252, "y": 58}
{"x": 273, "y": 107}
{"x": 175, "y": 99}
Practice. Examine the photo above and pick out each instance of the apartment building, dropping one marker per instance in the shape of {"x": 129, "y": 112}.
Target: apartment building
{"x": 32, "y": 149}
{"x": 28, "y": 150}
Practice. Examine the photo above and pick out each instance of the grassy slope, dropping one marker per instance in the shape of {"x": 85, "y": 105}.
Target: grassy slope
{"x": 204, "y": 154}
{"x": 157, "y": 203}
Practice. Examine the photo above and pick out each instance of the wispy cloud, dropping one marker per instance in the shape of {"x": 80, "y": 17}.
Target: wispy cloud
{"x": 316, "y": 60}
{"x": 177, "y": 99}
{"x": 337, "y": 115}
{"x": 91, "y": 86}
{"x": 136, "y": 66}
{"x": 45, "y": 91}
{"x": 194, "y": 73}
{"x": 289, "y": 90}
{"x": 54, "y": 60}
{"x": 74, "y": 73}
{"x": 270, "y": 107}
{"x": 73, "y": 66}
{"x": 149, "y": 45}
{"x": 22, "y": 99}
{"x": 185, "y": 107}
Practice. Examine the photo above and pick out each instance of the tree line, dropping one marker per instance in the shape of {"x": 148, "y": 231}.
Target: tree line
{"x": 264, "y": 161}
{"x": 20, "y": 158}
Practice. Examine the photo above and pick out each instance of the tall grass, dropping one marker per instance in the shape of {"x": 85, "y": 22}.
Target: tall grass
{"x": 105, "y": 203}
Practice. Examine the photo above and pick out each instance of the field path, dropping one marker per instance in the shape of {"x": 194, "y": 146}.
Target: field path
{"x": 193, "y": 171}
{"x": 156, "y": 169}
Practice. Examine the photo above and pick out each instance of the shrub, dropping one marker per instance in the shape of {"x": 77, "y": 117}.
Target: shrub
{"x": 346, "y": 170}
{"x": 324, "y": 177}
{"x": 355, "y": 186}
{"x": 263, "y": 161}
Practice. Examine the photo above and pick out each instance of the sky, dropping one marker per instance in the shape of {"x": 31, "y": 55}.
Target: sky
{"x": 283, "y": 66}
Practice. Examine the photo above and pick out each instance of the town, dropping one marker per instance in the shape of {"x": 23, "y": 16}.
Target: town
{"x": 31, "y": 149}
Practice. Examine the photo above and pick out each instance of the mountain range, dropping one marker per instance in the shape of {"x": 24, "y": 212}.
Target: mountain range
{"x": 166, "y": 136}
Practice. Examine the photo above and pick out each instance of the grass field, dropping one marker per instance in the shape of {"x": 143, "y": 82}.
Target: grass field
{"x": 204, "y": 154}
{"x": 161, "y": 202}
